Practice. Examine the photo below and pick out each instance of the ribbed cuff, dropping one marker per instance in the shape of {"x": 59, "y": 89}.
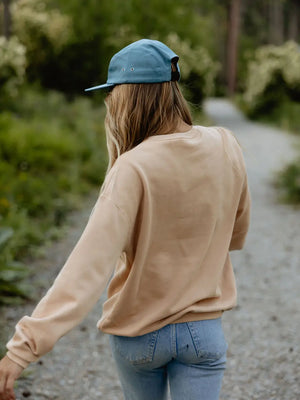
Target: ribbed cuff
{"x": 22, "y": 363}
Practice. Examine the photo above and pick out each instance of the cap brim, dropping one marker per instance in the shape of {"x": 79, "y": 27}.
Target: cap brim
{"x": 104, "y": 86}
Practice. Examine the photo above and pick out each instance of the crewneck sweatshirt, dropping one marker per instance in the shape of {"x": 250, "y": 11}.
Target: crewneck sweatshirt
{"x": 169, "y": 212}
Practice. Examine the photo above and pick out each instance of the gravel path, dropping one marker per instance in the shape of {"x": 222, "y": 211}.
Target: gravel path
{"x": 263, "y": 331}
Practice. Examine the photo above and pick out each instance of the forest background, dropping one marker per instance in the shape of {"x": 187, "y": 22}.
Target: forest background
{"x": 52, "y": 141}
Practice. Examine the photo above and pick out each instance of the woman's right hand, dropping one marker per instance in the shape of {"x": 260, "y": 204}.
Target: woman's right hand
{"x": 9, "y": 372}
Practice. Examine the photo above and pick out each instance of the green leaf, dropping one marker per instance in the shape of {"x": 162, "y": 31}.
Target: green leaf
{"x": 5, "y": 235}
{"x": 13, "y": 273}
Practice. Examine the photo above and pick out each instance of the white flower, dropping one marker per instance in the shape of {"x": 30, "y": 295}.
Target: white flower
{"x": 12, "y": 65}
{"x": 269, "y": 63}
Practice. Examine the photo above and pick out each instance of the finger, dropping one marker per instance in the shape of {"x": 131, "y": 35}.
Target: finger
{"x": 10, "y": 388}
{"x": 2, "y": 386}
{"x": 7, "y": 396}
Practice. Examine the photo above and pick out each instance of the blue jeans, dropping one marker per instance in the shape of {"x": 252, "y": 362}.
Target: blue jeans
{"x": 190, "y": 355}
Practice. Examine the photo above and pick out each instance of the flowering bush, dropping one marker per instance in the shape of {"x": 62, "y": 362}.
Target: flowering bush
{"x": 12, "y": 66}
{"x": 32, "y": 22}
{"x": 43, "y": 31}
{"x": 273, "y": 75}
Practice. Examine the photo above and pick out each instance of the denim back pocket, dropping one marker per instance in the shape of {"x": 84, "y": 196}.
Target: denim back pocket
{"x": 208, "y": 338}
{"x": 136, "y": 350}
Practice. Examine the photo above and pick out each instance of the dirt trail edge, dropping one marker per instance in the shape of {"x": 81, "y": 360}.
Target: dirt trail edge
{"x": 262, "y": 332}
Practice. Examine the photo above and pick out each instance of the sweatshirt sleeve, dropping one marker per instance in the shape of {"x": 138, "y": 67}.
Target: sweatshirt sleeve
{"x": 242, "y": 220}
{"x": 78, "y": 286}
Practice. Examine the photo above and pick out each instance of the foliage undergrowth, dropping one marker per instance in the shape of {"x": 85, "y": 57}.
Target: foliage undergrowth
{"x": 286, "y": 116}
{"x": 288, "y": 183}
{"x": 52, "y": 152}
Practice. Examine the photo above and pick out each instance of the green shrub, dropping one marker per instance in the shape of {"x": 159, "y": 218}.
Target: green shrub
{"x": 51, "y": 153}
{"x": 273, "y": 77}
{"x": 285, "y": 115}
{"x": 11, "y": 273}
{"x": 288, "y": 181}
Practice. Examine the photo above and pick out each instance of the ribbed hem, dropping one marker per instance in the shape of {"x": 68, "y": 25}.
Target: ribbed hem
{"x": 22, "y": 363}
{"x": 134, "y": 331}
{"x": 190, "y": 317}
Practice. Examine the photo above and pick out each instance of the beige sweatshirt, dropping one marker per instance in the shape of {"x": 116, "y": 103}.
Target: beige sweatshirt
{"x": 170, "y": 211}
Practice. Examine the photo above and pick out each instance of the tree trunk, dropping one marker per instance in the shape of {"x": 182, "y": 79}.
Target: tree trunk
{"x": 276, "y": 22}
{"x": 232, "y": 44}
{"x": 6, "y": 19}
{"x": 293, "y": 26}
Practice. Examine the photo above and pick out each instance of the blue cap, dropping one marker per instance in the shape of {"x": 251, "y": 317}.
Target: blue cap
{"x": 144, "y": 61}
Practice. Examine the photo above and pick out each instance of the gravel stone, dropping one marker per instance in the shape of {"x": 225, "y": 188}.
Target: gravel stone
{"x": 262, "y": 331}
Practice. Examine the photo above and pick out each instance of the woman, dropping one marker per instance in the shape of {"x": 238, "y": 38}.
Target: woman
{"x": 174, "y": 202}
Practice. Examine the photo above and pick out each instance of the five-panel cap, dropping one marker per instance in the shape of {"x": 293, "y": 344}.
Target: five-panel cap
{"x": 144, "y": 61}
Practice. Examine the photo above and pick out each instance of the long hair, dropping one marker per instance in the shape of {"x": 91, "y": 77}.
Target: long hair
{"x": 136, "y": 111}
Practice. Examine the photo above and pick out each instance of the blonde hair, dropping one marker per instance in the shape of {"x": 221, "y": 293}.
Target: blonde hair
{"x": 136, "y": 111}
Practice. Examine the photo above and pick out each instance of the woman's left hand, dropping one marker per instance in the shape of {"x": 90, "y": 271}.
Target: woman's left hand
{"x": 9, "y": 372}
